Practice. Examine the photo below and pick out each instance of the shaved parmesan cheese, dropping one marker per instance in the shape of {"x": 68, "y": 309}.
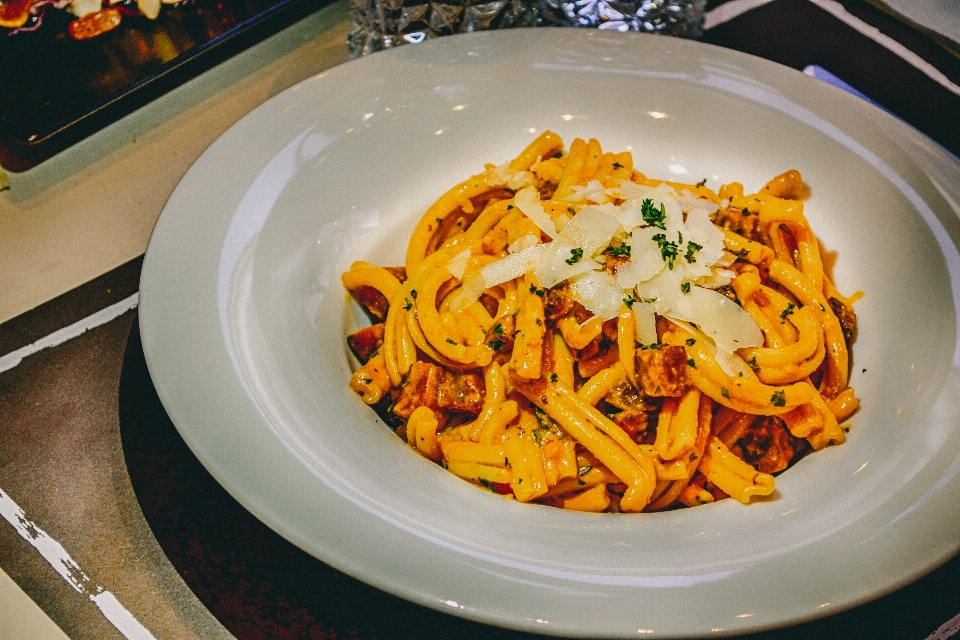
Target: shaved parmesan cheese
{"x": 588, "y": 232}
{"x": 720, "y": 318}
{"x": 673, "y": 255}
{"x": 599, "y": 292}
{"x": 593, "y": 192}
{"x": 528, "y": 201}
{"x": 458, "y": 264}
{"x": 591, "y": 230}
{"x": 646, "y": 322}
{"x": 505, "y": 176}
{"x": 523, "y": 242}
{"x": 513, "y": 266}
{"x": 468, "y": 293}
{"x": 555, "y": 267}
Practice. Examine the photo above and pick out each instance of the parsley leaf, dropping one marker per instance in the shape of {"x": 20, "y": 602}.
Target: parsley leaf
{"x": 620, "y": 251}
{"x": 653, "y": 216}
{"x": 668, "y": 250}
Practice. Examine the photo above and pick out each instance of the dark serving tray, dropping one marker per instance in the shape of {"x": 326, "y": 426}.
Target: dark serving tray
{"x": 57, "y": 91}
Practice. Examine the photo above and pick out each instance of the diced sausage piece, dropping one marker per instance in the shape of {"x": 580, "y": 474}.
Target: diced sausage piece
{"x": 422, "y": 388}
{"x": 372, "y": 301}
{"x": 636, "y": 424}
{"x": 768, "y": 446}
{"x": 741, "y": 221}
{"x": 847, "y": 318}
{"x": 601, "y": 353}
{"x": 431, "y": 385}
{"x": 366, "y": 341}
{"x": 558, "y": 303}
{"x": 663, "y": 371}
{"x": 461, "y": 392}
{"x": 624, "y": 396}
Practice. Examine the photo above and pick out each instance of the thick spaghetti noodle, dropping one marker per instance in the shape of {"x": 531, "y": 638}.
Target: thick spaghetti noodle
{"x": 570, "y": 332}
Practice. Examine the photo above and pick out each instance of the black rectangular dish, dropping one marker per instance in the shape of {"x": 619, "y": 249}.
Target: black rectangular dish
{"x": 57, "y": 89}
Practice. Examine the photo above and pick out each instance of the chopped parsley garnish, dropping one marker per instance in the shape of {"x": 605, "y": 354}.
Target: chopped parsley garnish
{"x": 653, "y": 216}
{"x": 628, "y": 300}
{"x": 553, "y": 377}
{"x": 576, "y": 255}
{"x": 451, "y": 341}
{"x": 536, "y": 290}
{"x": 752, "y": 361}
{"x": 668, "y": 250}
{"x": 413, "y": 292}
{"x": 648, "y": 300}
{"x": 692, "y": 248}
{"x": 788, "y": 311}
{"x": 617, "y": 165}
{"x": 702, "y": 183}
{"x": 407, "y": 306}
{"x": 779, "y": 398}
{"x": 497, "y": 344}
{"x": 726, "y": 392}
{"x": 498, "y": 329}
{"x": 685, "y": 287}
{"x": 690, "y": 342}
{"x": 620, "y": 251}
{"x": 582, "y": 471}
{"x": 692, "y": 363}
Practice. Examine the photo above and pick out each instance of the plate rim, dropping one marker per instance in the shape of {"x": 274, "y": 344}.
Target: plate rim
{"x": 148, "y": 323}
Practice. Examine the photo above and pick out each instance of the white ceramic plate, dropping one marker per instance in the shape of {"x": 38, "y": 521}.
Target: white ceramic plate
{"x": 243, "y": 321}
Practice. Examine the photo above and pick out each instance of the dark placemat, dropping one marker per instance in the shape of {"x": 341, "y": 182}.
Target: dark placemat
{"x": 798, "y": 33}
{"x": 258, "y": 585}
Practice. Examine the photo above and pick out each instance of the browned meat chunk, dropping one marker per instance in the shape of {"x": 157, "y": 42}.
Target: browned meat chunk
{"x": 432, "y": 386}
{"x": 559, "y": 302}
{"x": 372, "y": 301}
{"x": 365, "y": 342}
{"x": 663, "y": 371}
{"x": 741, "y": 221}
{"x": 601, "y": 353}
{"x": 461, "y": 392}
{"x": 769, "y": 446}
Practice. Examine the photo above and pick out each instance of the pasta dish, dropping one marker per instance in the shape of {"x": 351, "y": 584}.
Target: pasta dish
{"x": 567, "y": 331}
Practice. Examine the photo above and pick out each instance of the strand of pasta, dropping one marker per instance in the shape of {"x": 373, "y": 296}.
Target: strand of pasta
{"x": 740, "y": 392}
{"x": 683, "y": 467}
{"x": 598, "y": 434}
{"x": 789, "y": 277}
{"x": 362, "y": 274}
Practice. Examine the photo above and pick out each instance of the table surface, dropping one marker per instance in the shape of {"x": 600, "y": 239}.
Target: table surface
{"x": 115, "y": 530}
